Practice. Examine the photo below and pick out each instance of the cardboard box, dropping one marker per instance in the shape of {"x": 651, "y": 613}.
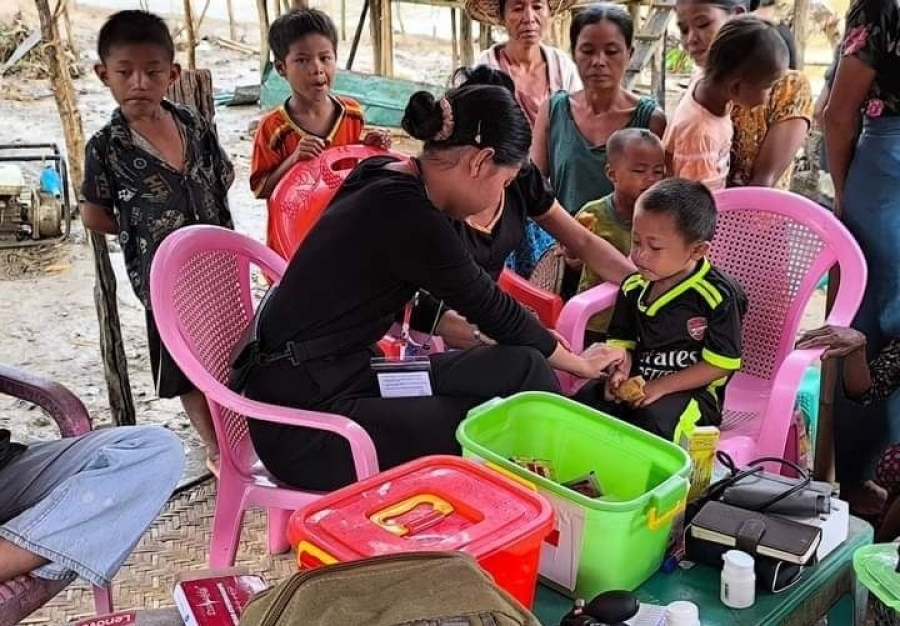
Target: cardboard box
{"x": 700, "y": 444}
{"x": 215, "y": 597}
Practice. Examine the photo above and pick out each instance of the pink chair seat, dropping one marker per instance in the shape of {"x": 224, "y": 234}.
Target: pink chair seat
{"x": 202, "y": 301}
{"x": 777, "y": 245}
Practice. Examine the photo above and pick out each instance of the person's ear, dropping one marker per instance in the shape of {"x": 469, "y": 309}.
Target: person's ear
{"x": 279, "y": 67}
{"x": 174, "y": 73}
{"x": 611, "y": 175}
{"x": 482, "y": 160}
{"x": 102, "y": 73}
{"x": 700, "y": 250}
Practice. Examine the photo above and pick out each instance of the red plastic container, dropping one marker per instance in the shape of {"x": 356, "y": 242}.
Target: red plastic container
{"x": 301, "y": 196}
{"x": 433, "y": 503}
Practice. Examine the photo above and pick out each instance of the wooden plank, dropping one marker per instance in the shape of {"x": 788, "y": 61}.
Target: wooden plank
{"x": 466, "y": 51}
{"x": 195, "y": 89}
{"x": 650, "y": 40}
{"x": 800, "y": 28}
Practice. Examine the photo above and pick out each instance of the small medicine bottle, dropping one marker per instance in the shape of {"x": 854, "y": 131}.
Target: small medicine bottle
{"x": 682, "y": 613}
{"x": 738, "y": 580}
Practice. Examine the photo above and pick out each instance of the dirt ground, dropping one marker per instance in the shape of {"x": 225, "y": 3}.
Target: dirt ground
{"x": 48, "y": 323}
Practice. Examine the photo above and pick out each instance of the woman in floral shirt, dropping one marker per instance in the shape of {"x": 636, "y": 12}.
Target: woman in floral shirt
{"x": 766, "y": 137}
{"x": 866, "y": 174}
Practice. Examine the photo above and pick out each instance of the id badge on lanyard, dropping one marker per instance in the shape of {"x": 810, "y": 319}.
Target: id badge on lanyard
{"x": 406, "y": 374}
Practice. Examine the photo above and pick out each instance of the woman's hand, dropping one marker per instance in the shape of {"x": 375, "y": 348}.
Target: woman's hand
{"x": 838, "y": 341}
{"x": 600, "y": 358}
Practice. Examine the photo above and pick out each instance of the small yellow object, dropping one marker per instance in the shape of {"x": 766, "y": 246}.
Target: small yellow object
{"x": 700, "y": 443}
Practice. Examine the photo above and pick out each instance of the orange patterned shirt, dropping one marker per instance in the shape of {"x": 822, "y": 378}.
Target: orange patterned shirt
{"x": 790, "y": 98}
{"x": 278, "y": 136}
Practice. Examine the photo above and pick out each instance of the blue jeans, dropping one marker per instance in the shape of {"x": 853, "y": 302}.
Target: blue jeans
{"x": 872, "y": 213}
{"x": 83, "y": 503}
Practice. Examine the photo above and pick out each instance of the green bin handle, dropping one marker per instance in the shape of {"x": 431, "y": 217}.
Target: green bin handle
{"x": 661, "y": 511}
{"x": 481, "y": 408}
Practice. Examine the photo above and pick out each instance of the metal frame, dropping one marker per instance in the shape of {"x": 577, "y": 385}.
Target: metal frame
{"x": 61, "y": 168}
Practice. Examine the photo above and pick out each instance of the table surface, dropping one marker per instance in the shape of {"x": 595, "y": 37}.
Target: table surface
{"x": 700, "y": 585}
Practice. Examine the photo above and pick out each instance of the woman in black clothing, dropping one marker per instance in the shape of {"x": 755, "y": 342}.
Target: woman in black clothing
{"x": 493, "y": 234}
{"x": 383, "y": 237}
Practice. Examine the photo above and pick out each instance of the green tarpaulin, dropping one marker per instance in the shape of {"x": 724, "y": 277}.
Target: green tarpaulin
{"x": 382, "y": 99}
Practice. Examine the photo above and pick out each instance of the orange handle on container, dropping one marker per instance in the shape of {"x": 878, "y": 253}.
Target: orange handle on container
{"x": 655, "y": 522}
{"x": 384, "y": 519}
{"x": 304, "y": 547}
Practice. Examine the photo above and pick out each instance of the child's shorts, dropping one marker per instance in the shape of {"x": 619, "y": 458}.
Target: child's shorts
{"x": 660, "y": 418}
{"x": 169, "y": 380}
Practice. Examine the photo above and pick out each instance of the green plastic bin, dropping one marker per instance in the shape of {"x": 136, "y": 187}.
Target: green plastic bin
{"x": 614, "y": 542}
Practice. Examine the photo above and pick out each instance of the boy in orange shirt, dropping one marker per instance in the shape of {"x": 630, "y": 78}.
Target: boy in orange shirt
{"x": 304, "y": 44}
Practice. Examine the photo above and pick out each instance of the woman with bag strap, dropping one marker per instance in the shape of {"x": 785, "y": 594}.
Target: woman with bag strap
{"x": 384, "y": 237}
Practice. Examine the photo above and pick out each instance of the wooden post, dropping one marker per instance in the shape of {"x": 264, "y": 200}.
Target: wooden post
{"x": 454, "y": 40}
{"x": 67, "y": 20}
{"x": 111, "y": 348}
{"x": 466, "y": 52}
{"x": 191, "y": 35}
{"x": 484, "y": 36}
{"x": 263, "y": 10}
{"x": 232, "y": 27}
{"x": 343, "y": 20}
{"x": 801, "y": 28}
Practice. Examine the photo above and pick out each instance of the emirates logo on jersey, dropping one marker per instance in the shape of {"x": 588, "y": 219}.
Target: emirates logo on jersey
{"x": 696, "y": 327}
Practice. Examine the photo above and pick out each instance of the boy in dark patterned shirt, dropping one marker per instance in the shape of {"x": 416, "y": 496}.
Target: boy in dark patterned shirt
{"x": 154, "y": 168}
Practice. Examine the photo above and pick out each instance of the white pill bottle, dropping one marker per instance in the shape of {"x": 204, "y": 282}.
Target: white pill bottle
{"x": 738, "y": 580}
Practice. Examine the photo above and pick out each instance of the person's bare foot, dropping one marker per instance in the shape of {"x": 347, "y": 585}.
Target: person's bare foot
{"x": 865, "y": 499}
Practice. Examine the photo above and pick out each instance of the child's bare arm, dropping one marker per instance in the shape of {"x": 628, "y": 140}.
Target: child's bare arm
{"x": 99, "y": 219}
{"x": 696, "y": 376}
{"x": 309, "y": 148}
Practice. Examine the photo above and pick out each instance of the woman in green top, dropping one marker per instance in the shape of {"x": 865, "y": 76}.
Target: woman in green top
{"x": 571, "y": 130}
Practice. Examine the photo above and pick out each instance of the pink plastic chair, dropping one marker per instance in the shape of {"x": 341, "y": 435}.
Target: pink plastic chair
{"x": 25, "y": 594}
{"x": 200, "y": 289}
{"x": 777, "y": 245}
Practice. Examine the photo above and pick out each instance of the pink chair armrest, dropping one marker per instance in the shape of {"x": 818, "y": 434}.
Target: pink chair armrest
{"x": 574, "y": 317}
{"x": 61, "y": 404}
{"x": 365, "y": 458}
{"x": 777, "y": 419}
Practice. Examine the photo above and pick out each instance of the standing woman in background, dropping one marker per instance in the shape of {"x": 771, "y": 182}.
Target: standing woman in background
{"x": 537, "y": 71}
{"x": 866, "y": 176}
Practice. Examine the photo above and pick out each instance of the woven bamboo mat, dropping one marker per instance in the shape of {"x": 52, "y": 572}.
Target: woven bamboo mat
{"x": 177, "y": 541}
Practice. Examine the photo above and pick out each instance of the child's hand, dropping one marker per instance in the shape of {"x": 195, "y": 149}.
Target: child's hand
{"x": 309, "y": 148}
{"x": 620, "y": 371}
{"x": 653, "y": 391}
{"x": 378, "y": 138}
{"x": 572, "y": 261}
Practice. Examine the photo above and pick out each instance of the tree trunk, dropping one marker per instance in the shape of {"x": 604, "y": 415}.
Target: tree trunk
{"x": 191, "y": 35}
{"x": 114, "y": 363}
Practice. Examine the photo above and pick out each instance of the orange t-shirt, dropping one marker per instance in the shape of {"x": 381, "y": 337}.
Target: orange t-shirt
{"x": 698, "y": 143}
{"x": 278, "y": 136}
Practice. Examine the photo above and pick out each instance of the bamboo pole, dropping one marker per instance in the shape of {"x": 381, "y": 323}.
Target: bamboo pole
{"x": 232, "y": 27}
{"x": 191, "y": 35}
{"x": 111, "y": 347}
{"x": 801, "y": 26}
{"x": 262, "y": 9}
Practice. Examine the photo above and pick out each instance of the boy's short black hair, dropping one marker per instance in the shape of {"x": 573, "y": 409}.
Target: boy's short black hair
{"x": 689, "y": 202}
{"x": 134, "y": 27}
{"x": 297, "y": 24}
{"x": 619, "y": 140}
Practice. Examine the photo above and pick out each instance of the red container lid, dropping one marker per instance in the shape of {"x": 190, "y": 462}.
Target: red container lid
{"x": 433, "y": 503}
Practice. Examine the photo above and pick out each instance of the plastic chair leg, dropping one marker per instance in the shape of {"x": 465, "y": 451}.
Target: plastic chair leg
{"x": 226, "y": 530}
{"x": 103, "y": 603}
{"x": 277, "y": 530}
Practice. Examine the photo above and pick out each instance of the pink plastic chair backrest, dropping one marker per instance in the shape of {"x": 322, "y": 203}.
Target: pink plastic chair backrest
{"x": 777, "y": 245}
{"x": 203, "y": 273}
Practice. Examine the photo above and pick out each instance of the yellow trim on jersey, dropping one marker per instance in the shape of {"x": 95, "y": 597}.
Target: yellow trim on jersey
{"x": 633, "y": 282}
{"x": 625, "y": 344}
{"x": 688, "y": 420}
{"x": 689, "y": 283}
{"x": 723, "y": 362}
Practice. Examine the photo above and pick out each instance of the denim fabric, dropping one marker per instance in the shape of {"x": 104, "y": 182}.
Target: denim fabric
{"x": 84, "y": 502}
